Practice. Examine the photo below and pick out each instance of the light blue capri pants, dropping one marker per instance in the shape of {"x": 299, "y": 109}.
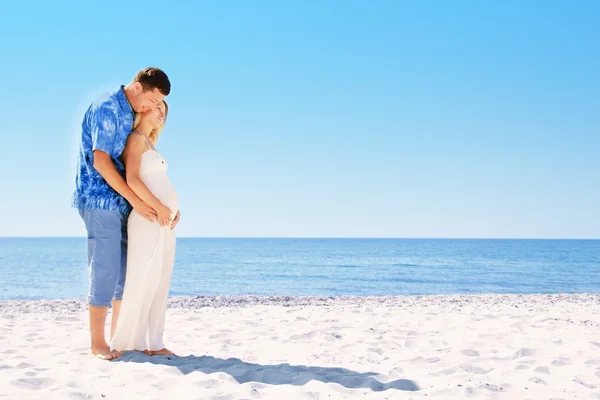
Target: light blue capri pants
{"x": 107, "y": 254}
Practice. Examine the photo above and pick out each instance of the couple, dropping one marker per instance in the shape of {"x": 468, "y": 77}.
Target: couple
{"x": 130, "y": 210}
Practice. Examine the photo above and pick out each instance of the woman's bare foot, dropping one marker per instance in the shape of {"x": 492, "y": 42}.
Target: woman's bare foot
{"x": 162, "y": 352}
{"x": 103, "y": 352}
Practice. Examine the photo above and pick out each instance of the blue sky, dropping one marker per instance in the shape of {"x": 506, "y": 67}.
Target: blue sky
{"x": 321, "y": 119}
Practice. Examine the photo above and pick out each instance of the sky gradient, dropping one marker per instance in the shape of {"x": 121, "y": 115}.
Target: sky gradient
{"x": 321, "y": 119}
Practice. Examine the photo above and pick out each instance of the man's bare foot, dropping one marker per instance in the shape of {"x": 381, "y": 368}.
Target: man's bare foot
{"x": 162, "y": 352}
{"x": 104, "y": 352}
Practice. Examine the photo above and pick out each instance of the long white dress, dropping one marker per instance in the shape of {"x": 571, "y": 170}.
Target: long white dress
{"x": 150, "y": 259}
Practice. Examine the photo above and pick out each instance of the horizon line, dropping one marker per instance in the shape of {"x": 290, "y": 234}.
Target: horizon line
{"x": 329, "y": 237}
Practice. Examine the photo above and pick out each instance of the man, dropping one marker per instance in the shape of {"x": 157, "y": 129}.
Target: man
{"x": 104, "y": 199}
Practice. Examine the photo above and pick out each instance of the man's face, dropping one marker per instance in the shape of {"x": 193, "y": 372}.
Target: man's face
{"x": 147, "y": 100}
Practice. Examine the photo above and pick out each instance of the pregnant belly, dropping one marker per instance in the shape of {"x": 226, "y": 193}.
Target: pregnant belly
{"x": 161, "y": 187}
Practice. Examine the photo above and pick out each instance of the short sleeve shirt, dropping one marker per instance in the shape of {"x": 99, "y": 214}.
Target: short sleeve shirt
{"x": 106, "y": 125}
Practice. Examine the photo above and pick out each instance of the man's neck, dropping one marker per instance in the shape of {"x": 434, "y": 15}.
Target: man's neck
{"x": 128, "y": 90}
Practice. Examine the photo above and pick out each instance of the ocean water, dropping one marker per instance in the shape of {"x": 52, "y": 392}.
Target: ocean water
{"x": 56, "y": 268}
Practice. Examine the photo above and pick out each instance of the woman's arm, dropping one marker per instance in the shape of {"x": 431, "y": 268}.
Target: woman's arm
{"x": 132, "y": 155}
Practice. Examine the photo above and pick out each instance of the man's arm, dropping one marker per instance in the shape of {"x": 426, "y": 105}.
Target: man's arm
{"x": 103, "y": 136}
{"x": 106, "y": 167}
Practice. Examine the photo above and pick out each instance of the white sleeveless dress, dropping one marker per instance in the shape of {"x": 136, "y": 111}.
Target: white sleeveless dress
{"x": 150, "y": 259}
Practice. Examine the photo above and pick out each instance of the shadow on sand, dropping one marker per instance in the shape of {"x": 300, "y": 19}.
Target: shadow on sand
{"x": 279, "y": 374}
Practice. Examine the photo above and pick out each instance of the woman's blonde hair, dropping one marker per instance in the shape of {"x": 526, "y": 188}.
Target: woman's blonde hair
{"x": 156, "y": 131}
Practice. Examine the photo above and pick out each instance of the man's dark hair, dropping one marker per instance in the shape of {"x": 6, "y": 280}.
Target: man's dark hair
{"x": 151, "y": 78}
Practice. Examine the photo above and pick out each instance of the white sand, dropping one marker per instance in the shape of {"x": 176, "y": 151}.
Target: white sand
{"x": 433, "y": 347}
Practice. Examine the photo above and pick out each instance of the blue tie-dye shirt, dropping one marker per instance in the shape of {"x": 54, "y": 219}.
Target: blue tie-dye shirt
{"x": 106, "y": 126}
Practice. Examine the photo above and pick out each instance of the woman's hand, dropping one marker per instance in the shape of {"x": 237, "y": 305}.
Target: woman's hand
{"x": 176, "y": 220}
{"x": 164, "y": 215}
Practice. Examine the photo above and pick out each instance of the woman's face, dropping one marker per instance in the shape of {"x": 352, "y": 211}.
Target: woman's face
{"x": 155, "y": 116}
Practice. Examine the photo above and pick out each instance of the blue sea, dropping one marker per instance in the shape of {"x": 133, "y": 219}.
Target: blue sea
{"x": 56, "y": 268}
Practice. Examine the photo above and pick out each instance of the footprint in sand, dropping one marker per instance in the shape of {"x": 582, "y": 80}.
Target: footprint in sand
{"x": 437, "y": 343}
{"x": 528, "y": 362}
{"x": 332, "y": 337}
{"x": 304, "y": 336}
{"x": 495, "y": 388}
{"x": 473, "y": 369}
{"x": 43, "y": 346}
{"x": 231, "y": 342}
{"x": 524, "y": 352}
{"x": 207, "y": 384}
{"x": 542, "y": 370}
{"x": 374, "y": 358}
{"x": 586, "y": 384}
{"x": 79, "y": 395}
{"x": 469, "y": 390}
{"x": 538, "y": 380}
{"x": 34, "y": 383}
{"x": 445, "y": 371}
{"x": 561, "y": 362}
{"x": 470, "y": 353}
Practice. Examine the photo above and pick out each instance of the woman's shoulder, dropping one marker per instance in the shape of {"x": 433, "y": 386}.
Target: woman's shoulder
{"x": 135, "y": 132}
{"x": 135, "y": 139}
{"x": 135, "y": 136}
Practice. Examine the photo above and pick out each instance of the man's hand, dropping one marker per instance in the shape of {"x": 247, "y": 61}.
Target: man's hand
{"x": 164, "y": 215}
{"x": 145, "y": 211}
{"x": 176, "y": 220}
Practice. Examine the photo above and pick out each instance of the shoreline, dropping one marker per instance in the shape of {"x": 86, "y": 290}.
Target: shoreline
{"x": 450, "y": 301}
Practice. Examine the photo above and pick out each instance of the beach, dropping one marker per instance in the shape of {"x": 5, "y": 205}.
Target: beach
{"x": 283, "y": 347}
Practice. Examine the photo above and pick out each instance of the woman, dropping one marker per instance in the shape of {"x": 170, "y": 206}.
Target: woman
{"x": 151, "y": 245}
